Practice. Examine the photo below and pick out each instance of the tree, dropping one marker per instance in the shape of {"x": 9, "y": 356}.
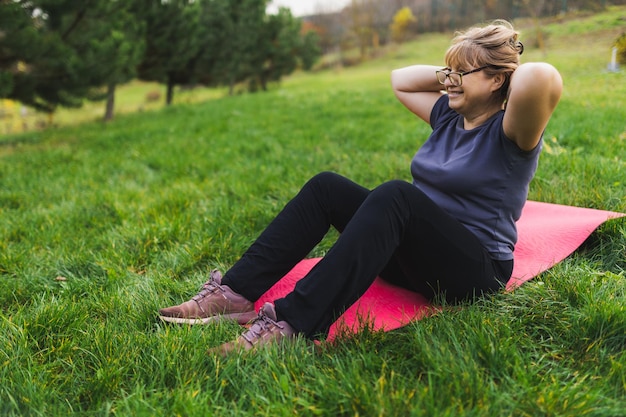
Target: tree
{"x": 15, "y": 33}
{"x": 534, "y": 9}
{"x": 244, "y": 44}
{"x": 276, "y": 51}
{"x": 243, "y": 29}
{"x": 329, "y": 28}
{"x": 310, "y": 50}
{"x": 49, "y": 53}
{"x": 214, "y": 40}
{"x": 172, "y": 42}
{"x": 126, "y": 44}
{"x": 282, "y": 48}
{"x": 402, "y": 20}
{"x": 362, "y": 13}
{"x": 58, "y": 52}
{"x": 620, "y": 44}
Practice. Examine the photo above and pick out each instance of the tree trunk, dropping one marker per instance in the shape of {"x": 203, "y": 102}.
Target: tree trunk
{"x": 110, "y": 104}
{"x": 169, "y": 97}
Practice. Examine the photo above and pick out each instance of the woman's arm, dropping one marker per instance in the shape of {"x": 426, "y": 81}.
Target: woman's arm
{"x": 417, "y": 88}
{"x": 534, "y": 92}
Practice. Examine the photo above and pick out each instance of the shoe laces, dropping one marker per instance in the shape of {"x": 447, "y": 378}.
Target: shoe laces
{"x": 209, "y": 287}
{"x": 259, "y": 326}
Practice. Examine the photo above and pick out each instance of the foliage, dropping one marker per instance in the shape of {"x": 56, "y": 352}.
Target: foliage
{"x": 244, "y": 42}
{"x": 235, "y": 43}
{"x": 58, "y": 52}
{"x": 366, "y": 23}
{"x": 282, "y": 49}
{"x": 215, "y": 29}
{"x": 172, "y": 42}
{"x": 620, "y": 44}
{"x": 400, "y": 25}
{"x": 310, "y": 50}
{"x": 126, "y": 50}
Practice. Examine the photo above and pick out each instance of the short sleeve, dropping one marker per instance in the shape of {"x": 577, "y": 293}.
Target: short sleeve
{"x": 441, "y": 112}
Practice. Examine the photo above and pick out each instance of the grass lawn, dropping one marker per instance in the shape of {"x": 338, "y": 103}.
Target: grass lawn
{"x": 102, "y": 224}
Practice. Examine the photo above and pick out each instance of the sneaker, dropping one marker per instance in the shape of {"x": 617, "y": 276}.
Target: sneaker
{"x": 214, "y": 302}
{"x": 265, "y": 330}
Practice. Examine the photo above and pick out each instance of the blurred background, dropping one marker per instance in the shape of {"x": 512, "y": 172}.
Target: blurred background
{"x": 60, "y": 54}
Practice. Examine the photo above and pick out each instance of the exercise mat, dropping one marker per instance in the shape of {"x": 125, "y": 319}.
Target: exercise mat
{"x": 547, "y": 234}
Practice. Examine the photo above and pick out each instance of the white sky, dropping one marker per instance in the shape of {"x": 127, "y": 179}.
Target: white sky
{"x": 307, "y": 7}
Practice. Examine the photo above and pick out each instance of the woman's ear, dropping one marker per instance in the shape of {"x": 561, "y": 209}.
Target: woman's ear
{"x": 498, "y": 81}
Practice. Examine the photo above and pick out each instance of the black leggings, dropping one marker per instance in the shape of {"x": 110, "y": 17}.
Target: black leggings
{"x": 394, "y": 231}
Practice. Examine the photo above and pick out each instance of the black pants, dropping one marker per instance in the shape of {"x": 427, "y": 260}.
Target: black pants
{"x": 394, "y": 231}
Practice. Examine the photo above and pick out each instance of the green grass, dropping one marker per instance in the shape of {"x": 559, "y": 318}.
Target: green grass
{"x": 132, "y": 214}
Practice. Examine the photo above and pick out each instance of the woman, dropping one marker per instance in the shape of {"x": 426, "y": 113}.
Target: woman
{"x": 451, "y": 233}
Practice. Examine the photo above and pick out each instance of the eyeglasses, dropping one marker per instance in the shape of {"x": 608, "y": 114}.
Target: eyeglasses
{"x": 456, "y": 78}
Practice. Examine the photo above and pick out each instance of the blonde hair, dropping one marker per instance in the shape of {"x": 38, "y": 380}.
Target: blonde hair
{"x": 496, "y": 45}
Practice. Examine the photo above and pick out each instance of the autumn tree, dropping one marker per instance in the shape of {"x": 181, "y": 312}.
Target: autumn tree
{"x": 402, "y": 21}
{"x": 534, "y": 9}
{"x": 362, "y": 15}
{"x": 620, "y": 44}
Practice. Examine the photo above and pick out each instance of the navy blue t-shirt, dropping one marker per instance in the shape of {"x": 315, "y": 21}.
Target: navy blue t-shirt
{"x": 479, "y": 176}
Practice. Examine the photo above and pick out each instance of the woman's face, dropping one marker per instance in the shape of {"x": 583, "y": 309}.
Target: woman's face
{"x": 474, "y": 95}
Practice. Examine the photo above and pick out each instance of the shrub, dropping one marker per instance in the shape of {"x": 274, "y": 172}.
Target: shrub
{"x": 620, "y": 43}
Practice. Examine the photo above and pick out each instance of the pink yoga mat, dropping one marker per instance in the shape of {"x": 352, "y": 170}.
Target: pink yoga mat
{"x": 548, "y": 233}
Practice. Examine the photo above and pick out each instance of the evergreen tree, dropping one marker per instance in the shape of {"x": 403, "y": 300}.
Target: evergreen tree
{"x": 16, "y": 33}
{"x": 276, "y": 52}
{"x": 247, "y": 45}
{"x": 282, "y": 48}
{"x": 172, "y": 44}
{"x": 243, "y": 28}
{"x": 214, "y": 39}
{"x": 310, "y": 49}
{"x": 125, "y": 45}
{"x": 58, "y": 52}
